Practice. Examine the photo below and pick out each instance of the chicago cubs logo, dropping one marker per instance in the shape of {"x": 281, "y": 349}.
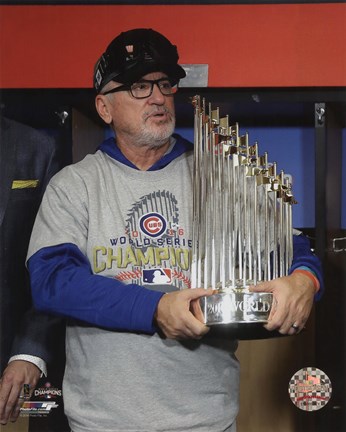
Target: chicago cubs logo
{"x": 153, "y": 225}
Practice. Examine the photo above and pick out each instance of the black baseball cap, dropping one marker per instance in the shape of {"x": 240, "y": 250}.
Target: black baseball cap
{"x": 135, "y": 53}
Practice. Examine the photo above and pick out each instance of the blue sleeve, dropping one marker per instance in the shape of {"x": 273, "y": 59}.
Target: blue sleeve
{"x": 62, "y": 283}
{"x": 304, "y": 257}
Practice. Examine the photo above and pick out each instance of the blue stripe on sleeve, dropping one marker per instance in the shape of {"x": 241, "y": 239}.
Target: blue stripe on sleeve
{"x": 63, "y": 283}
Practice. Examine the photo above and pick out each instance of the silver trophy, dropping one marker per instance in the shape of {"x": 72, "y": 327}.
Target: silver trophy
{"x": 242, "y": 221}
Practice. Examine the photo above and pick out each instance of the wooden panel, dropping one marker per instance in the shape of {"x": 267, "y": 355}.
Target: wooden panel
{"x": 86, "y": 136}
{"x": 266, "y": 369}
{"x": 244, "y": 45}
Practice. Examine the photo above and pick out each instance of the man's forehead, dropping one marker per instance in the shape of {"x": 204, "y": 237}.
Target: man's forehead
{"x": 153, "y": 76}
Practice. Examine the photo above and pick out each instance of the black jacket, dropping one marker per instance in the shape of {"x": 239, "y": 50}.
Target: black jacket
{"x": 27, "y": 162}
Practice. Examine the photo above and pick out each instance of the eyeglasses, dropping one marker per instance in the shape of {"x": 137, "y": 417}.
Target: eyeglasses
{"x": 144, "y": 88}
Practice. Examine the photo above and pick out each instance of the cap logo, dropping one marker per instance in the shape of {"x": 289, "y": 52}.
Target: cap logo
{"x": 129, "y": 49}
{"x": 98, "y": 77}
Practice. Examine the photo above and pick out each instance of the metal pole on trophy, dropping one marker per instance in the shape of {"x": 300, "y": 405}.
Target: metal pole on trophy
{"x": 242, "y": 220}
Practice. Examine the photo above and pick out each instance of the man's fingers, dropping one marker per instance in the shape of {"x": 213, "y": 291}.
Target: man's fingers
{"x": 195, "y": 308}
{"x": 262, "y": 287}
{"x": 4, "y": 394}
{"x": 196, "y": 293}
{"x": 198, "y": 330}
{"x": 175, "y": 317}
{"x": 16, "y": 410}
{"x": 10, "y": 408}
{"x": 17, "y": 383}
{"x": 7, "y": 398}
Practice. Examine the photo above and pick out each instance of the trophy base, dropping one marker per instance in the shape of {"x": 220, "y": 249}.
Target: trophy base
{"x": 238, "y": 307}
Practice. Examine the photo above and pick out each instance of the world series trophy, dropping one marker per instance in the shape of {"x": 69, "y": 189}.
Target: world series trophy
{"x": 242, "y": 221}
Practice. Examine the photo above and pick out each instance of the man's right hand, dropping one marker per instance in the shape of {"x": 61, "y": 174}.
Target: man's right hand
{"x": 174, "y": 314}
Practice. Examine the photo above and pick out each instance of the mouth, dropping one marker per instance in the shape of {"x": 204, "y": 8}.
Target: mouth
{"x": 159, "y": 115}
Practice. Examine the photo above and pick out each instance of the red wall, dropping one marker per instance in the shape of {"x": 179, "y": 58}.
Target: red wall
{"x": 244, "y": 45}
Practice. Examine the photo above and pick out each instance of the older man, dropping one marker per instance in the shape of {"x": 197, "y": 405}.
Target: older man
{"x": 137, "y": 357}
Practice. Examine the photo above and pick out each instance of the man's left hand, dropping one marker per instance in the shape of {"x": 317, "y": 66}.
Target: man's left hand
{"x": 293, "y": 298}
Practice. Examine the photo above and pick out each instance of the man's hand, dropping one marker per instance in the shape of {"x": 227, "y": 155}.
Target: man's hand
{"x": 293, "y": 298}
{"x": 17, "y": 373}
{"x": 175, "y": 314}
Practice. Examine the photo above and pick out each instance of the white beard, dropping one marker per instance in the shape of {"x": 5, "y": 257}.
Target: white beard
{"x": 155, "y": 136}
{"x": 147, "y": 133}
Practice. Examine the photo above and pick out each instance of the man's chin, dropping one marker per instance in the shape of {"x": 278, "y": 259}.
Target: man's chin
{"x": 161, "y": 132}
{"x": 159, "y": 141}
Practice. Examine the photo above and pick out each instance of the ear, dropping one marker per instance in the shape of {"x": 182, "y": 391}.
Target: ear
{"x": 102, "y": 107}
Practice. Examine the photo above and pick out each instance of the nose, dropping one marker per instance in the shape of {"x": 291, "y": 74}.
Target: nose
{"x": 156, "y": 96}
